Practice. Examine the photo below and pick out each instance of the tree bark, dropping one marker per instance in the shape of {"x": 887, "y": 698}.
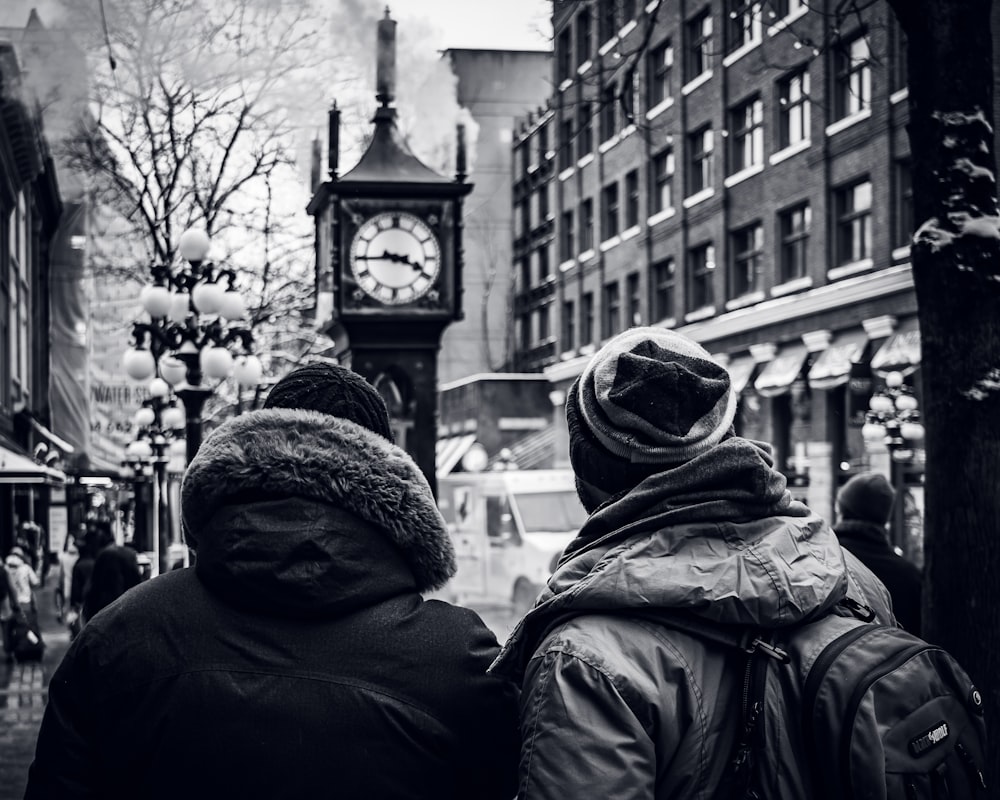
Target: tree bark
{"x": 956, "y": 270}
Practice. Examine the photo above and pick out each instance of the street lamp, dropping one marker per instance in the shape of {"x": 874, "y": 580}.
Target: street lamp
{"x": 893, "y": 419}
{"x": 195, "y": 316}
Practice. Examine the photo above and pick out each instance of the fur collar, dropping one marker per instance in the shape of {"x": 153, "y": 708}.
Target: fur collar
{"x": 317, "y": 456}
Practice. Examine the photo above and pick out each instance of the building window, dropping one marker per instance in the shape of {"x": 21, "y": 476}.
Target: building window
{"x": 609, "y": 211}
{"x": 632, "y": 199}
{"x": 566, "y": 144}
{"x": 701, "y": 169}
{"x": 612, "y": 309}
{"x": 793, "y": 109}
{"x": 525, "y": 324}
{"x": 542, "y": 138}
{"x": 899, "y": 76}
{"x": 583, "y": 34}
{"x": 659, "y": 68}
{"x": 748, "y": 259}
{"x": 564, "y": 56}
{"x": 746, "y": 124}
{"x": 699, "y": 51}
{"x": 701, "y": 268}
{"x": 587, "y": 225}
{"x": 568, "y": 325}
{"x": 585, "y": 125}
{"x": 903, "y": 190}
{"x": 743, "y": 24}
{"x": 544, "y": 265}
{"x": 634, "y": 299}
{"x": 607, "y": 21}
{"x": 543, "y": 203}
{"x": 543, "y": 324}
{"x": 854, "y": 222}
{"x": 852, "y": 77}
{"x": 663, "y": 182}
{"x": 783, "y": 8}
{"x": 525, "y": 274}
{"x": 567, "y": 249}
{"x": 587, "y": 318}
{"x": 664, "y": 283}
{"x": 793, "y": 226}
{"x": 609, "y": 112}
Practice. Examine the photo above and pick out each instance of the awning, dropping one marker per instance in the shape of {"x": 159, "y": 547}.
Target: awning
{"x": 833, "y": 367}
{"x": 778, "y": 376}
{"x": 740, "y": 370}
{"x": 448, "y": 452}
{"x": 900, "y": 352}
{"x": 15, "y": 468}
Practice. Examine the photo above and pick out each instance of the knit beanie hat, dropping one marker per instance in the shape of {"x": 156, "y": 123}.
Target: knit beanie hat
{"x": 333, "y": 390}
{"x": 649, "y": 399}
{"x": 867, "y": 497}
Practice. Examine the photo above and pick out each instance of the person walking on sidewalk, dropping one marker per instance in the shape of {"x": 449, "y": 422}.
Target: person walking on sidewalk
{"x": 9, "y": 608}
{"x": 864, "y": 505}
{"x": 297, "y": 658}
{"x": 685, "y": 517}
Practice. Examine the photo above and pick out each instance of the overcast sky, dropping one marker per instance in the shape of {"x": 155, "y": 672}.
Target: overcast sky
{"x": 486, "y": 24}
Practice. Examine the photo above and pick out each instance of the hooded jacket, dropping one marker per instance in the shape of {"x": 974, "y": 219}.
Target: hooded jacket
{"x": 298, "y": 658}
{"x": 616, "y": 705}
{"x": 23, "y": 579}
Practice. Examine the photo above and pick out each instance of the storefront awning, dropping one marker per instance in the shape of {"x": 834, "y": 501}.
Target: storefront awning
{"x": 740, "y": 370}
{"x": 776, "y": 378}
{"x": 833, "y": 367}
{"x": 15, "y": 468}
{"x": 900, "y": 352}
{"x": 450, "y": 451}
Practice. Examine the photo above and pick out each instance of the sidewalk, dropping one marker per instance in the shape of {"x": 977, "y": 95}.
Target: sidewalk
{"x": 23, "y": 692}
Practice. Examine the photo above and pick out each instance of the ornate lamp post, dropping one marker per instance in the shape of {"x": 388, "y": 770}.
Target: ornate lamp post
{"x": 893, "y": 419}
{"x": 195, "y": 316}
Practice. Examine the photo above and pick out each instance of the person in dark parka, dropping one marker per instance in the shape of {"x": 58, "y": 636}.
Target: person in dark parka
{"x": 297, "y": 658}
{"x": 116, "y": 570}
{"x": 864, "y": 506}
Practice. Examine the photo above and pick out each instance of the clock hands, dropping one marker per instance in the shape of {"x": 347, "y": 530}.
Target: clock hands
{"x": 396, "y": 258}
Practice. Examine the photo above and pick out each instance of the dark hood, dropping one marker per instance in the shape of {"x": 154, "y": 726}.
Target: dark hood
{"x": 298, "y": 497}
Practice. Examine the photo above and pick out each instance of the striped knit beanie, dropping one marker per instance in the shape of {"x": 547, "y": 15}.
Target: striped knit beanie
{"x": 649, "y": 399}
{"x": 333, "y": 390}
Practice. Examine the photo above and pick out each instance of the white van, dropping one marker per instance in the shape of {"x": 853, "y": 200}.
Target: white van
{"x": 507, "y": 527}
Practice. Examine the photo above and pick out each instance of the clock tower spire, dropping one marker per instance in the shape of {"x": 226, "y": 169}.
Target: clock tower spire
{"x": 389, "y": 258}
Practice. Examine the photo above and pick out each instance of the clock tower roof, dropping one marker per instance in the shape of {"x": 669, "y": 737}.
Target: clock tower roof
{"x": 389, "y": 160}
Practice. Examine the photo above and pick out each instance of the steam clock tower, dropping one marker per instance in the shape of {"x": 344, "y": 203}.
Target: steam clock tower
{"x": 389, "y": 247}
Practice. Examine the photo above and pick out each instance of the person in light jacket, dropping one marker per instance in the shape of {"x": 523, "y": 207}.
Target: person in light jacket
{"x": 685, "y": 516}
{"x": 297, "y": 658}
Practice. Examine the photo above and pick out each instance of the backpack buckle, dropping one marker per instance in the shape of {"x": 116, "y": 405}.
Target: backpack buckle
{"x": 752, "y": 643}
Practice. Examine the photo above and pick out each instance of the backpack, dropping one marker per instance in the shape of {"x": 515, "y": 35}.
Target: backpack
{"x": 881, "y": 713}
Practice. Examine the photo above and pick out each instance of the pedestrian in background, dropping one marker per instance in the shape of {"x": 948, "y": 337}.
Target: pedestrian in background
{"x": 8, "y": 609}
{"x": 68, "y": 557}
{"x": 864, "y": 507}
{"x": 116, "y": 570}
{"x": 23, "y": 579}
{"x": 297, "y": 658}
{"x": 97, "y": 536}
{"x": 685, "y": 516}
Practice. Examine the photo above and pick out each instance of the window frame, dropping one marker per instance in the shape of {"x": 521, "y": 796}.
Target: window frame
{"x": 610, "y": 211}
{"x": 743, "y": 23}
{"x": 852, "y": 78}
{"x": 586, "y": 225}
{"x": 793, "y": 242}
{"x": 746, "y": 128}
{"x": 848, "y": 219}
{"x": 746, "y": 268}
{"x": 612, "y": 316}
{"x": 701, "y": 160}
{"x": 699, "y": 30}
{"x": 794, "y": 108}
{"x": 632, "y": 199}
{"x": 663, "y": 180}
{"x": 664, "y": 294}
{"x": 700, "y": 276}
{"x": 659, "y": 69}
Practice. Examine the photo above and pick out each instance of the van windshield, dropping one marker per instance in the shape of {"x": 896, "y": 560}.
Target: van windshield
{"x": 550, "y": 512}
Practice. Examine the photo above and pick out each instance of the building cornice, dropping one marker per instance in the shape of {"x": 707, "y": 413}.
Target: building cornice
{"x": 892, "y": 280}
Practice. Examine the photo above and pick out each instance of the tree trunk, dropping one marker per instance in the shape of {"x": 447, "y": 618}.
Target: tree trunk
{"x": 956, "y": 269}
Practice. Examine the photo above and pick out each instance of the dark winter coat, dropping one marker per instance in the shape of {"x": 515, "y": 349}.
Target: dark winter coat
{"x": 115, "y": 571}
{"x": 903, "y": 579}
{"x": 298, "y": 658}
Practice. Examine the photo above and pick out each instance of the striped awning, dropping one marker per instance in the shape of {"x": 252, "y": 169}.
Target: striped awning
{"x": 450, "y": 451}
{"x": 900, "y": 352}
{"x": 777, "y": 377}
{"x": 833, "y": 367}
{"x": 740, "y": 370}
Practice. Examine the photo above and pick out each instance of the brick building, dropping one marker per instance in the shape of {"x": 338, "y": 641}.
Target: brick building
{"x": 737, "y": 170}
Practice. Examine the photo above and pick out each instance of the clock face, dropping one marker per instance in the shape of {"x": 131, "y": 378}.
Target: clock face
{"x": 395, "y": 258}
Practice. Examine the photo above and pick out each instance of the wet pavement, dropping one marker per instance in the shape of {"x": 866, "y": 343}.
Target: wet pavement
{"x": 23, "y": 692}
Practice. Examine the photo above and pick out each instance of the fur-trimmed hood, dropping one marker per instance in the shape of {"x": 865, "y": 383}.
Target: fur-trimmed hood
{"x": 323, "y": 461}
